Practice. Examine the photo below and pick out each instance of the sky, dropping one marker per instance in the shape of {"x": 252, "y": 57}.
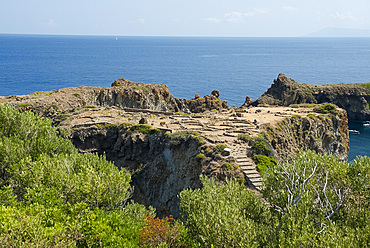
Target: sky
{"x": 244, "y": 18}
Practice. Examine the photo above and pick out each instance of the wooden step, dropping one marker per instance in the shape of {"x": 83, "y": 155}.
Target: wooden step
{"x": 248, "y": 167}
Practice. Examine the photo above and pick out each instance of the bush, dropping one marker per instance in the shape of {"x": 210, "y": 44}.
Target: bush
{"x": 160, "y": 232}
{"x": 223, "y": 215}
{"x": 244, "y": 137}
{"x": 220, "y": 148}
{"x": 327, "y": 108}
{"x": 200, "y": 157}
{"x": 261, "y": 147}
{"x": 141, "y": 128}
{"x": 227, "y": 166}
{"x": 263, "y": 162}
{"x": 76, "y": 178}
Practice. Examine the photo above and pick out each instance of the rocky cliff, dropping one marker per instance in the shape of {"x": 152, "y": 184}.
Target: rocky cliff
{"x": 322, "y": 133}
{"x": 353, "y": 97}
{"x": 122, "y": 94}
{"x": 161, "y": 164}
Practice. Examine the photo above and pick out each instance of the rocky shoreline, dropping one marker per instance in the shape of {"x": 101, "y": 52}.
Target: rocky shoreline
{"x": 166, "y": 143}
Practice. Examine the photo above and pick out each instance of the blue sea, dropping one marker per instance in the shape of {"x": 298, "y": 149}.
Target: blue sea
{"x": 237, "y": 67}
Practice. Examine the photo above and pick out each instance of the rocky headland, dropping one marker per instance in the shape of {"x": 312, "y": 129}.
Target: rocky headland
{"x": 353, "y": 97}
{"x": 166, "y": 143}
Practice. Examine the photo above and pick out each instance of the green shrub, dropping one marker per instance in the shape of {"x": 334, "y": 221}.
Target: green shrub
{"x": 155, "y": 131}
{"x": 327, "y": 108}
{"x": 263, "y": 162}
{"x": 141, "y": 128}
{"x": 311, "y": 116}
{"x": 76, "y": 95}
{"x": 200, "y": 157}
{"x": 220, "y": 148}
{"x": 76, "y": 178}
{"x": 261, "y": 147}
{"x": 244, "y": 137}
{"x": 227, "y": 166}
{"x": 22, "y": 105}
{"x": 125, "y": 125}
{"x": 296, "y": 116}
{"x": 224, "y": 215}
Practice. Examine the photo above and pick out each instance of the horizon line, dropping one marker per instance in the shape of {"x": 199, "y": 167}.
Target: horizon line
{"x": 180, "y": 36}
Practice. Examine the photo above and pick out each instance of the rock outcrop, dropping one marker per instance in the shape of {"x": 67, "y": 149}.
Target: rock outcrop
{"x": 321, "y": 133}
{"x": 206, "y": 103}
{"x": 353, "y": 97}
{"x": 122, "y": 94}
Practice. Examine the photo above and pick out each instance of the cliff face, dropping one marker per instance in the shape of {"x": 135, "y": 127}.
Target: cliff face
{"x": 354, "y": 98}
{"x": 160, "y": 168}
{"x": 162, "y": 165}
{"x": 321, "y": 133}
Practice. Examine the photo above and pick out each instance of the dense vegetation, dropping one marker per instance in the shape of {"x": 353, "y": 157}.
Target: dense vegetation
{"x": 52, "y": 196}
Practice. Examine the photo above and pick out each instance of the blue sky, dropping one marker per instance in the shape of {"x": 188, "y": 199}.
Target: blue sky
{"x": 181, "y": 17}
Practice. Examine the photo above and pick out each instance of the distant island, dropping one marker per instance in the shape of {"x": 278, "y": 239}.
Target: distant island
{"x": 340, "y": 32}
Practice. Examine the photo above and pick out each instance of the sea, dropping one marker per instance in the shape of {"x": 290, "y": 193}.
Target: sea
{"x": 237, "y": 67}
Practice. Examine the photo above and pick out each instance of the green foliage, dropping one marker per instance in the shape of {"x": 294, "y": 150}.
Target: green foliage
{"x": 53, "y": 196}
{"x": 125, "y": 125}
{"x": 26, "y": 136}
{"x": 263, "y": 162}
{"x": 327, "y": 108}
{"x": 244, "y": 137}
{"x": 141, "y": 128}
{"x": 366, "y": 85}
{"x": 76, "y": 95}
{"x": 311, "y": 116}
{"x": 227, "y": 166}
{"x": 296, "y": 116}
{"x": 144, "y": 89}
{"x": 70, "y": 226}
{"x": 223, "y": 215}
{"x": 76, "y": 178}
{"x": 261, "y": 147}
{"x": 200, "y": 157}
{"x": 220, "y": 148}
{"x": 181, "y": 137}
{"x": 22, "y": 105}
{"x": 155, "y": 131}
{"x": 314, "y": 198}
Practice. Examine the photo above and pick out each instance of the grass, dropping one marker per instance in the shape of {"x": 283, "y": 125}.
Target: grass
{"x": 220, "y": 148}
{"x": 141, "y": 128}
